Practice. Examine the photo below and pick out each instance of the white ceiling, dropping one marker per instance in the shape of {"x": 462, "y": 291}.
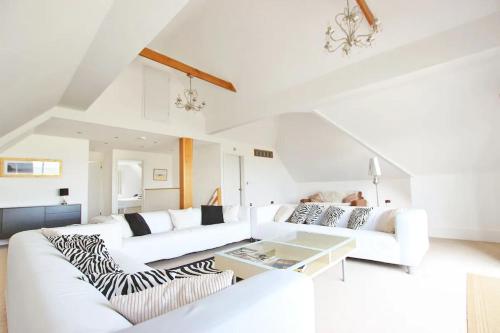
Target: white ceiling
{"x": 268, "y": 46}
{"x": 442, "y": 120}
{"x": 104, "y": 138}
{"x": 55, "y": 49}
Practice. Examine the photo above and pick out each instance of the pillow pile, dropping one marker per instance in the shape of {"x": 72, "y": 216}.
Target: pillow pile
{"x": 299, "y": 215}
{"x": 332, "y": 216}
{"x": 358, "y": 218}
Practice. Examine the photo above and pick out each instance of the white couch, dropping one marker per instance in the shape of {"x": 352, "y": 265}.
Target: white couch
{"x": 166, "y": 241}
{"x": 395, "y": 236}
{"x": 44, "y": 295}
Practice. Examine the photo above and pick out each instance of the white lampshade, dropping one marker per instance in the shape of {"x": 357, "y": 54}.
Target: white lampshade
{"x": 374, "y": 167}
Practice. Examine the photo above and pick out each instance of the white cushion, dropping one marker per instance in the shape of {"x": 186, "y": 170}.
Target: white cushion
{"x": 153, "y": 302}
{"x": 110, "y": 232}
{"x": 126, "y": 232}
{"x": 158, "y": 221}
{"x": 185, "y": 218}
{"x": 284, "y": 213}
{"x": 230, "y": 213}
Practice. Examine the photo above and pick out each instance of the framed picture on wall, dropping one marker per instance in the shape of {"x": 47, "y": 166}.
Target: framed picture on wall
{"x": 160, "y": 174}
{"x": 29, "y": 167}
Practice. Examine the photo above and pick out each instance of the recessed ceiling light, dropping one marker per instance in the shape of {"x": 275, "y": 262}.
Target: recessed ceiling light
{"x": 142, "y": 146}
{"x": 155, "y": 142}
{"x": 115, "y": 137}
{"x": 142, "y": 138}
{"x": 79, "y": 132}
{"x": 105, "y": 143}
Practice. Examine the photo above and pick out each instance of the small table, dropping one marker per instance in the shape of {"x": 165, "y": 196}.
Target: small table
{"x": 305, "y": 252}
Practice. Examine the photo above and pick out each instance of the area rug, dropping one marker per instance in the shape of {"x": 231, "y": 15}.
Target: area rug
{"x": 200, "y": 267}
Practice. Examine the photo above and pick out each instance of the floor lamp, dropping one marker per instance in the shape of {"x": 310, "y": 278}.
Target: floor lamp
{"x": 374, "y": 171}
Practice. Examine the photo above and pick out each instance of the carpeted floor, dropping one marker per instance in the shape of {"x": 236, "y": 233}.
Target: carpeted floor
{"x": 382, "y": 298}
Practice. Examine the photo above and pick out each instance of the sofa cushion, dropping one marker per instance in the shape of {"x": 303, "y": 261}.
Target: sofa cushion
{"x": 119, "y": 283}
{"x": 153, "y": 302}
{"x": 359, "y": 217}
{"x": 211, "y": 215}
{"x": 332, "y": 216}
{"x": 314, "y": 214}
{"x": 110, "y": 232}
{"x": 137, "y": 224}
{"x": 159, "y": 221}
{"x": 231, "y": 213}
{"x": 185, "y": 218}
{"x": 299, "y": 215}
{"x": 89, "y": 243}
{"x": 90, "y": 263}
{"x": 284, "y": 213}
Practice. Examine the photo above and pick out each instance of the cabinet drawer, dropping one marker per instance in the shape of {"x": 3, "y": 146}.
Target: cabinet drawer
{"x": 61, "y": 219}
{"x": 20, "y": 219}
{"x": 62, "y": 209}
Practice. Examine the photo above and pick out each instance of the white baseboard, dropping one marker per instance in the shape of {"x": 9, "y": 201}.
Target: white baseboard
{"x": 466, "y": 234}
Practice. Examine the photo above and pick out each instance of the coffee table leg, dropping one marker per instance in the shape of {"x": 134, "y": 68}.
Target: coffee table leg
{"x": 234, "y": 278}
{"x": 343, "y": 270}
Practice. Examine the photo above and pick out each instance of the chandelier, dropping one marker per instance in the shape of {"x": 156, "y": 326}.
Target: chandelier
{"x": 346, "y": 34}
{"x": 191, "y": 97}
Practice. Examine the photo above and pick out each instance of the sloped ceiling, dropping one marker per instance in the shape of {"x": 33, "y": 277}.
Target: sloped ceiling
{"x": 442, "y": 120}
{"x": 41, "y": 45}
{"x": 314, "y": 150}
{"x": 70, "y": 50}
{"x": 272, "y": 50}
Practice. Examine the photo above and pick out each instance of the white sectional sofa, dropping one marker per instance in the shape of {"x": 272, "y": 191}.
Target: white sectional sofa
{"x": 166, "y": 241}
{"x": 395, "y": 236}
{"x": 44, "y": 294}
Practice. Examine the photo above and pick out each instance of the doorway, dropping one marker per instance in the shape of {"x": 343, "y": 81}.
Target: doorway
{"x": 232, "y": 180}
{"x": 130, "y": 186}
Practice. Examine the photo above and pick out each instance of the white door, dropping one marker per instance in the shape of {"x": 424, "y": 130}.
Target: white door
{"x": 95, "y": 189}
{"x": 231, "y": 188}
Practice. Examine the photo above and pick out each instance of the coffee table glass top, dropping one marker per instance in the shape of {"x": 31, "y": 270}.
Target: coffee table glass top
{"x": 300, "y": 251}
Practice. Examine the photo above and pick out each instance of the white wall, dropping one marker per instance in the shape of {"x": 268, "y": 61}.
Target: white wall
{"x": 396, "y": 190}
{"x": 463, "y": 206}
{"x": 150, "y": 161}
{"x": 207, "y": 172}
{"x": 74, "y": 154}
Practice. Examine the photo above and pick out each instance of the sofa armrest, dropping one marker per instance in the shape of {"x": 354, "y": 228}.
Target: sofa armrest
{"x": 253, "y": 305}
{"x": 412, "y": 235}
{"x": 263, "y": 214}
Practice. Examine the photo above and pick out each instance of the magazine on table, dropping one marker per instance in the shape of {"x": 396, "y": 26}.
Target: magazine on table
{"x": 267, "y": 257}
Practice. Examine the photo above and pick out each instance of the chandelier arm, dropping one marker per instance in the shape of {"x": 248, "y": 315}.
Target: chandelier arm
{"x": 338, "y": 47}
{"x": 339, "y": 24}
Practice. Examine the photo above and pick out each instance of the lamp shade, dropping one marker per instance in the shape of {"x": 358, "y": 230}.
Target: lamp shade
{"x": 63, "y": 192}
{"x": 374, "y": 167}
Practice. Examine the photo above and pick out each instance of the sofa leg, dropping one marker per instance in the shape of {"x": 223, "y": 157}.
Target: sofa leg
{"x": 252, "y": 240}
{"x": 410, "y": 269}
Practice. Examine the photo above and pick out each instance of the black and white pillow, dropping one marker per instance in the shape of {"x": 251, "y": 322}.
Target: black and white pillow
{"x": 332, "y": 216}
{"x": 314, "y": 214}
{"x": 299, "y": 215}
{"x": 115, "y": 284}
{"x": 358, "y": 217}
{"x": 90, "y": 263}
{"x": 88, "y": 243}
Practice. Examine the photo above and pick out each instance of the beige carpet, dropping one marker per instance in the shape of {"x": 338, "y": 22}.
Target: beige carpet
{"x": 382, "y": 298}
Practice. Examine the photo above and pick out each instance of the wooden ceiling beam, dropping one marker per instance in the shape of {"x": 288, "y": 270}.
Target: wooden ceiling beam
{"x": 366, "y": 11}
{"x": 167, "y": 61}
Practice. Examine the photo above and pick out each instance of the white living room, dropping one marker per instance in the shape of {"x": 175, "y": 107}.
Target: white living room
{"x": 249, "y": 166}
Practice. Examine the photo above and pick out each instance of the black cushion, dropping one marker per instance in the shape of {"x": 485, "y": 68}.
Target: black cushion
{"x": 211, "y": 215}
{"x": 137, "y": 224}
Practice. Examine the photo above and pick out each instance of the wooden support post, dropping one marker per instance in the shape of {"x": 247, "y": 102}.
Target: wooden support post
{"x": 186, "y": 172}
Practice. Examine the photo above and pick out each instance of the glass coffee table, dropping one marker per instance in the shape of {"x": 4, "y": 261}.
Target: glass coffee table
{"x": 300, "y": 251}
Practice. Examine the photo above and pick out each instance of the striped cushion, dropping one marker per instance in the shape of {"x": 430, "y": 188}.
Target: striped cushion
{"x": 114, "y": 284}
{"x": 358, "y": 217}
{"x": 153, "y": 302}
{"x": 314, "y": 214}
{"x": 299, "y": 215}
{"x": 89, "y": 243}
{"x": 90, "y": 263}
{"x": 332, "y": 216}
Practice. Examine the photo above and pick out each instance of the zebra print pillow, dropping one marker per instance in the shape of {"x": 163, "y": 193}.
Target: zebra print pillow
{"x": 299, "y": 215}
{"x": 90, "y": 263}
{"x": 332, "y": 216}
{"x": 201, "y": 267}
{"x": 88, "y": 243}
{"x": 115, "y": 284}
{"x": 358, "y": 217}
{"x": 314, "y": 214}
